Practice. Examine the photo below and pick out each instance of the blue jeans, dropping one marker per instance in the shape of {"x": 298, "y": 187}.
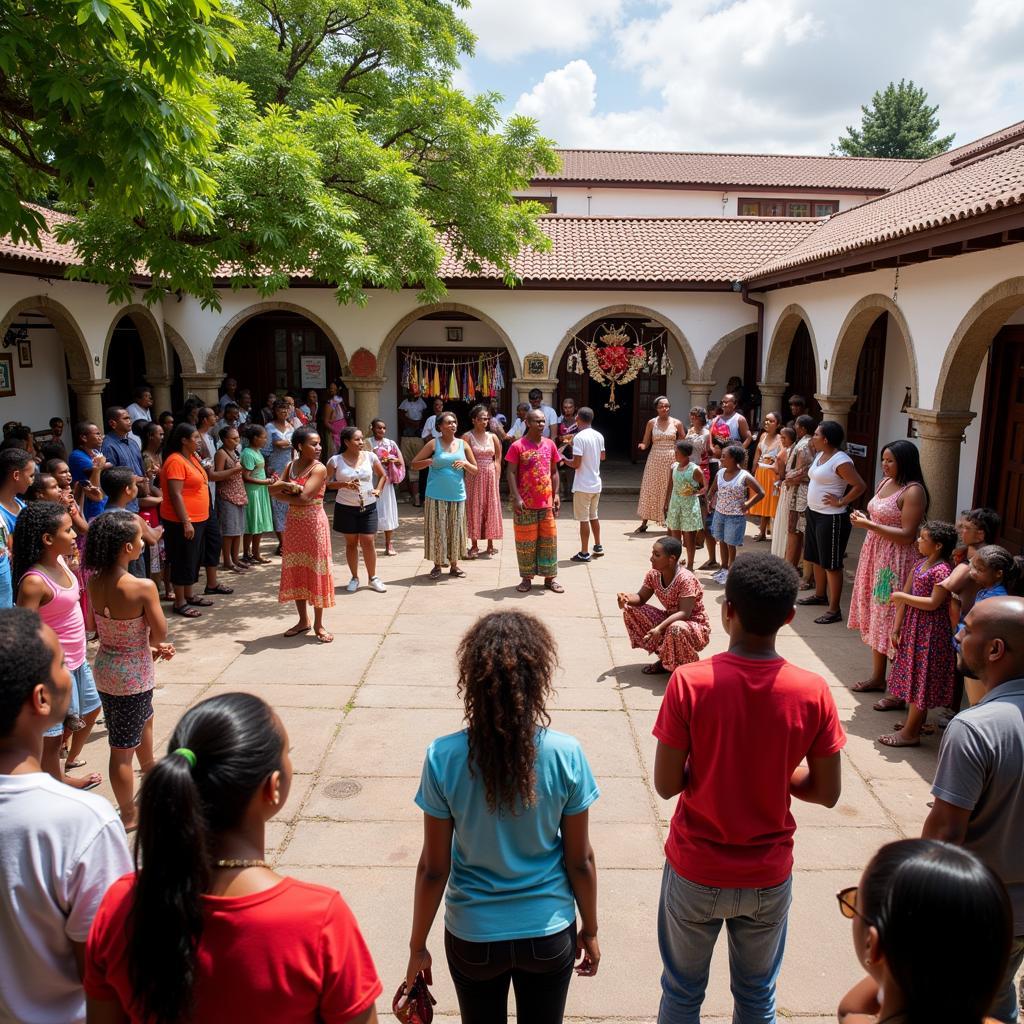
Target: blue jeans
{"x": 1006, "y": 1007}
{"x": 690, "y": 918}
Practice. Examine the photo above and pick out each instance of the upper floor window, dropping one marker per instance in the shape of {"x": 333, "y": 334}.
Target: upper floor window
{"x": 551, "y": 202}
{"x": 787, "y": 207}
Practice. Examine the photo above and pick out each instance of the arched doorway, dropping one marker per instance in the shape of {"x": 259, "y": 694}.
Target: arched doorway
{"x": 792, "y": 358}
{"x": 735, "y": 355}
{"x": 134, "y": 354}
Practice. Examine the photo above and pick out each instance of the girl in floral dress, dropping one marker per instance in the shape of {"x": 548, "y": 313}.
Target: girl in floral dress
{"x": 680, "y": 632}
{"x": 483, "y": 504}
{"x": 660, "y": 436}
{"x": 683, "y": 516}
{"x": 922, "y": 672}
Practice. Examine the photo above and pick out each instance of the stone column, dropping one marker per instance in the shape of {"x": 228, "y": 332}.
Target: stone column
{"x": 521, "y": 388}
{"x": 364, "y": 393}
{"x": 90, "y": 400}
{"x": 836, "y": 407}
{"x": 700, "y": 394}
{"x": 161, "y": 394}
{"x": 771, "y": 398}
{"x": 202, "y": 385}
{"x": 940, "y": 435}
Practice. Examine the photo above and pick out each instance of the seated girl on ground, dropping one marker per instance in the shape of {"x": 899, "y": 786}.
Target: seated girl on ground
{"x": 680, "y": 632}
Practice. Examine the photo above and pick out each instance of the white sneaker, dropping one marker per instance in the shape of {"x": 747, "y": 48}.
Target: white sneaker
{"x": 353, "y": 585}
{"x": 721, "y": 576}
{"x": 376, "y": 583}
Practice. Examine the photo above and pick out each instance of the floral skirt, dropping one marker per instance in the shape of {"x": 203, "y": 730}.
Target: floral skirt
{"x": 306, "y": 557}
{"x": 680, "y": 644}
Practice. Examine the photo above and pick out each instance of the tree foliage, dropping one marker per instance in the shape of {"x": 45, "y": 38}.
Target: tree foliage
{"x": 899, "y": 123}
{"x": 303, "y": 137}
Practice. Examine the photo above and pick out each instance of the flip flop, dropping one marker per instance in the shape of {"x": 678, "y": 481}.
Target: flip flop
{"x": 219, "y": 589}
{"x": 867, "y": 686}
{"x": 893, "y": 740}
{"x": 297, "y": 630}
{"x": 186, "y": 613}
{"x": 199, "y": 602}
{"x": 77, "y": 763}
{"x": 456, "y": 571}
{"x": 657, "y": 669}
{"x": 472, "y": 556}
{"x": 324, "y": 637}
{"x": 554, "y": 586}
{"x": 525, "y": 587}
{"x": 828, "y": 618}
{"x": 888, "y": 704}
{"x": 435, "y": 573}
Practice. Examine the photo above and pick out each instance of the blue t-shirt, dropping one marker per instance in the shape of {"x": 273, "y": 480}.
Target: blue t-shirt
{"x": 120, "y": 451}
{"x": 508, "y": 878}
{"x": 9, "y": 519}
{"x": 80, "y": 464}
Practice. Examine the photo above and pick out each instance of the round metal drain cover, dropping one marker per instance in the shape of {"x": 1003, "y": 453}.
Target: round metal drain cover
{"x": 342, "y": 789}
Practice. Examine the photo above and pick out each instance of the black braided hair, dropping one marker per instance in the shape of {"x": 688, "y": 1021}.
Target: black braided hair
{"x": 107, "y": 536}
{"x": 34, "y": 521}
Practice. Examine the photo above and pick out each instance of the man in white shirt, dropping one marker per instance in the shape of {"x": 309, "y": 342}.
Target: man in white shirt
{"x": 519, "y": 427}
{"x": 550, "y": 416}
{"x": 410, "y": 422}
{"x": 141, "y": 408}
{"x": 587, "y": 456}
{"x": 60, "y": 848}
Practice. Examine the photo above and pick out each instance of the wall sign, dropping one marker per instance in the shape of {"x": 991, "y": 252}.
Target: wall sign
{"x": 314, "y": 372}
{"x": 6, "y": 376}
{"x": 860, "y": 450}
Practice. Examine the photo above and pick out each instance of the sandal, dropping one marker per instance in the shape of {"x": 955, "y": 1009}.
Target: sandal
{"x": 554, "y": 586}
{"x": 323, "y": 636}
{"x": 888, "y": 704}
{"x": 297, "y": 630}
{"x": 185, "y": 612}
{"x": 894, "y": 740}
{"x": 815, "y": 599}
{"x": 709, "y": 564}
{"x": 472, "y": 555}
{"x": 641, "y": 529}
{"x": 199, "y": 602}
{"x": 525, "y": 586}
{"x": 867, "y": 686}
{"x": 457, "y": 572}
{"x": 79, "y": 762}
{"x": 435, "y": 573}
{"x": 655, "y": 669}
{"x": 828, "y": 618}
{"x": 219, "y": 589}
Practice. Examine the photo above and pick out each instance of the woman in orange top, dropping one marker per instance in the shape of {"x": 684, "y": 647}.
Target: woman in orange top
{"x": 184, "y": 510}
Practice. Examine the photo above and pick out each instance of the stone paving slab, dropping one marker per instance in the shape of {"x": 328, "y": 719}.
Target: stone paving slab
{"x": 360, "y": 713}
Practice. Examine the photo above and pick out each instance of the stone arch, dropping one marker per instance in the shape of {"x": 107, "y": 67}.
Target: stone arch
{"x": 185, "y": 354}
{"x": 970, "y": 343}
{"x": 843, "y": 373}
{"x": 782, "y": 341}
{"x": 691, "y": 368}
{"x": 149, "y": 332}
{"x": 721, "y": 345}
{"x": 391, "y": 338}
{"x": 215, "y": 358}
{"x": 80, "y": 359}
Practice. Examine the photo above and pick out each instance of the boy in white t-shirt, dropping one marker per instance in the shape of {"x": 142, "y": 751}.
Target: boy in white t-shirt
{"x": 60, "y": 848}
{"x": 587, "y": 456}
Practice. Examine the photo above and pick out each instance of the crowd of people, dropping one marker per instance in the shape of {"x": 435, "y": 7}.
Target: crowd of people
{"x": 91, "y": 540}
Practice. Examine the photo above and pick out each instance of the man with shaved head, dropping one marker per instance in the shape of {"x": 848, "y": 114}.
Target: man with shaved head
{"x": 979, "y": 780}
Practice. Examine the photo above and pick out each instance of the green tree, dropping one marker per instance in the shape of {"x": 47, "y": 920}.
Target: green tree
{"x": 334, "y": 146}
{"x": 899, "y": 123}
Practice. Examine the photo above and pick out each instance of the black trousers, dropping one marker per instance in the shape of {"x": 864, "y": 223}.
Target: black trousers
{"x": 539, "y": 970}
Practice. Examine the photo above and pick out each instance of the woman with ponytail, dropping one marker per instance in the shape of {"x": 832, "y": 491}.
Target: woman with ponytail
{"x": 923, "y": 906}
{"x": 206, "y": 931}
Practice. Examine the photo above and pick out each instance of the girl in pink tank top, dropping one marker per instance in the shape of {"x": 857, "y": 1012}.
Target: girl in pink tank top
{"x": 44, "y": 545}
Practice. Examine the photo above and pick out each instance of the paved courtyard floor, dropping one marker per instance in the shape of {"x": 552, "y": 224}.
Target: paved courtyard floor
{"x": 361, "y": 712}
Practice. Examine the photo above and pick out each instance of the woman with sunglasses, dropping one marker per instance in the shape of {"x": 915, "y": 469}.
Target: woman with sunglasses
{"x": 920, "y": 903}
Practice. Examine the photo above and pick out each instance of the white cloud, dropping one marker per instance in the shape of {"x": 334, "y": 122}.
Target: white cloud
{"x": 785, "y": 75}
{"x": 507, "y": 29}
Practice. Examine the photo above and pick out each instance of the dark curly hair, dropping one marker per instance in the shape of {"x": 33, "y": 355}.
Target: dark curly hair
{"x": 762, "y": 589}
{"x": 34, "y": 521}
{"x": 24, "y": 663}
{"x": 942, "y": 534}
{"x": 506, "y": 662}
{"x": 252, "y": 431}
{"x": 107, "y": 536}
{"x": 39, "y": 484}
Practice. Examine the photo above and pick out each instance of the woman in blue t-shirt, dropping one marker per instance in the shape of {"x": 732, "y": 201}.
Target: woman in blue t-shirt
{"x": 506, "y": 830}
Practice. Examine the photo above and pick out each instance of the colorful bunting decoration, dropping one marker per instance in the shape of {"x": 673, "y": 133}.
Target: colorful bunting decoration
{"x": 480, "y": 376}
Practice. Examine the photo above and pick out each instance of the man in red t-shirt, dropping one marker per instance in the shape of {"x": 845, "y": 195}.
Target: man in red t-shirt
{"x": 733, "y": 733}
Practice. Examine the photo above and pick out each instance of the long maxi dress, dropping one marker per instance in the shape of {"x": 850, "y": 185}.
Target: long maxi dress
{"x": 483, "y": 503}
{"x": 306, "y": 552}
{"x": 683, "y": 640}
{"x": 387, "y": 503}
{"x": 655, "y": 479}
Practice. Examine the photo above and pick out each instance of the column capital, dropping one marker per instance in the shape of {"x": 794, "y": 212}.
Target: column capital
{"x": 700, "y": 385}
{"x": 940, "y": 423}
{"x": 158, "y": 381}
{"x": 88, "y": 387}
{"x": 202, "y": 379}
{"x": 772, "y": 388}
{"x": 838, "y": 404}
{"x": 364, "y": 383}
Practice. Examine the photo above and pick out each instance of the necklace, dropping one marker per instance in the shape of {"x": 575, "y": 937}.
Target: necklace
{"x": 232, "y": 862}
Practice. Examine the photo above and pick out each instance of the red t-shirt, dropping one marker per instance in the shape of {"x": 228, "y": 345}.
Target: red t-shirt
{"x": 747, "y": 724}
{"x": 290, "y": 954}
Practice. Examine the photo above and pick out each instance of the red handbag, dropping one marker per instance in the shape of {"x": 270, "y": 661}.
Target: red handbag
{"x": 419, "y": 1008}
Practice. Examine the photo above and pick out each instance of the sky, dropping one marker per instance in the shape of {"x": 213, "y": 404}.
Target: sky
{"x": 768, "y": 76}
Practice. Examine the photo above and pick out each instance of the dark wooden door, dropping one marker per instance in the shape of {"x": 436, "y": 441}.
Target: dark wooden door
{"x": 647, "y": 388}
{"x": 1000, "y": 475}
{"x": 802, "y": 373}
{"x": 862, "y": 429}
{"x": 571, "y": 385}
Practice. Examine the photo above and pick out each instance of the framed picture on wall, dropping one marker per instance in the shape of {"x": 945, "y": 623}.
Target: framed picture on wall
{"x": 25, "y": 354}
{"x": 6, "y": 376}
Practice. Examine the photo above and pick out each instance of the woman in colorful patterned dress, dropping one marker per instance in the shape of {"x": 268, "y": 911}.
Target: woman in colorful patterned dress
{"x": 922, "y": 672}
{"x": 306, "y": 576}
{"x": 769, "y": 444}
{"x": 660, "y": 436}
{"x": 892, "y": 522}
{"x": 389, "y": 455}
{"x": 679, "y": 633}
{"x": 483, "y": 503}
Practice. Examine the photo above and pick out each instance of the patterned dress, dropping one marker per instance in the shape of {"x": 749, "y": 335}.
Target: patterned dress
{"x": 684, "y": 508}
{"x": 655, "y": 479}
{"x": 780, "y": 528}
{"x": 306, "y": 552}
{"x": 923, "y": 670}
{"x": 387, "y": 503}
{"x": 881, "y": 569}
{"x": 483, "y": 504}
{"x": 683, "y": 641}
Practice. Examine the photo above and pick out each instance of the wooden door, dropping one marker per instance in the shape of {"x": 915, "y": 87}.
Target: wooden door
{"x": 649, "y": 385}
{"x": 571, "y": 385}
{"x": 862, "y": 428}
{"x": 802, "y": 373}
{"x": 1000, "y": 474}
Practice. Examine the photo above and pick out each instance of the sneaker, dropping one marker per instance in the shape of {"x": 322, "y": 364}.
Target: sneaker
{"x": 580, "y": 556}
{"x": 721, "y": 575}
{"x": 377, "y": 584}
{"x": 353, "y": 585}
{"x": 598, "y": 550}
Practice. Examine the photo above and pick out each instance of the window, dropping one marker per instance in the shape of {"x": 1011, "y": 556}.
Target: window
{"x": 787, "y": 208}
{"x": 551, "y": 202}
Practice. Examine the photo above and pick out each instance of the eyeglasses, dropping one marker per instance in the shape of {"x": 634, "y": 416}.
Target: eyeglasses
{"x": 847, "y": 899}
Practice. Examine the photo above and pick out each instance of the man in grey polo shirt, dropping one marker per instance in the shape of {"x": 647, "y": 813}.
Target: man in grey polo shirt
{"x": 979, "y": 780}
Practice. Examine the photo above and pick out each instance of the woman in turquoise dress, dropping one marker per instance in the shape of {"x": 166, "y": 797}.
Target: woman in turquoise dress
{"x": 258, "y": 518}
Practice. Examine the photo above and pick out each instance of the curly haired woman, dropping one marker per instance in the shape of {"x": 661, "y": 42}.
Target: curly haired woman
{"x": 506, "y": 829}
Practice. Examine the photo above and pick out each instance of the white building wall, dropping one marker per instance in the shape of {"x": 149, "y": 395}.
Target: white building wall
{"x": 40, "y": 391}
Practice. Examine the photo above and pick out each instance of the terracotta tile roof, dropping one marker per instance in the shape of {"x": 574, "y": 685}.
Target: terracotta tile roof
{"x": 962, "y": 192}
{"x": 52, "y": 252}
{"x": 860, "y": 174}
{"x": 944, "y": 161}
{"x": 671, "y": 250}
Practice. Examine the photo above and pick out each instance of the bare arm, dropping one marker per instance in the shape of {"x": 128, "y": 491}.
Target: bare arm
{"x": 746, "y": 437}
{"x": 947, "y": 822}
{"x": 646, "y": 442}
{"x": 930, "y": 603}
{"x": 31, "y": 593}
{"x": 425, "y": 456}
{"x": 758, "y": 492}
{"x": 861, "y": 1004}
{"x": 432, "y": 872}
{"x": 469, "y": 463}
{"x": 222, "y": 469}
{"x": 820, "y": 781}
{"x": 912, "y": 512}
{"x": 581, "y": 868}
{"x": 670, "y": 770}
{"x": 642, "y": 596}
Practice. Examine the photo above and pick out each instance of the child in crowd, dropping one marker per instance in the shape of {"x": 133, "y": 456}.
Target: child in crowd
{"x": 44, "y": 550}
{"x": 733, "y": 493}
{"x": 682, "y": 501}
{"x": 231, "y": 499}
{"x": 133, "y": 634}
{"x": 922, "y": 671}
{"x": 679, "y": 633}
{"x": 47, "y": 487}
{"x": 118, "y": 483}
{"x": 258, "y": 518}
{"x": 996, "y": 573}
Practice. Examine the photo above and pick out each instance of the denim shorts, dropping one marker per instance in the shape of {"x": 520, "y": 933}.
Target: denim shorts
{"x": 728, "y": 529}
{"x": 84, "y": 697}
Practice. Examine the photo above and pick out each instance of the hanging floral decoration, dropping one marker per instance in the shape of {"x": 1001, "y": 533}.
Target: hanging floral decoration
{"x": 617, "y": 356}
{"x": 452, "y": 379}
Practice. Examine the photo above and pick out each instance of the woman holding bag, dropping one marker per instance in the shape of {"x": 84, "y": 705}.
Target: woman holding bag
{"x": 389, "y": 455}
